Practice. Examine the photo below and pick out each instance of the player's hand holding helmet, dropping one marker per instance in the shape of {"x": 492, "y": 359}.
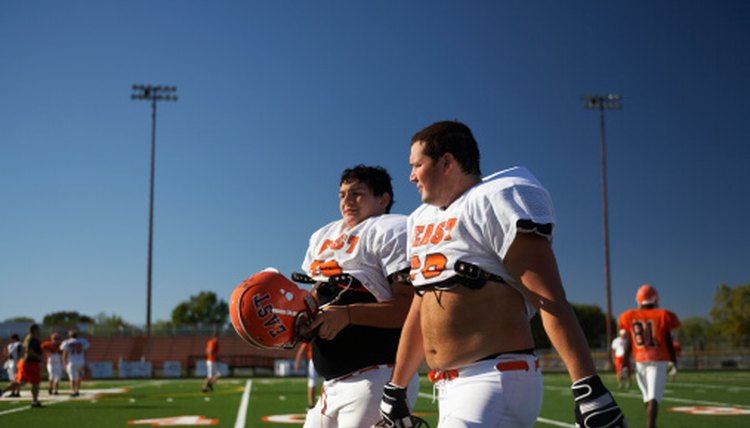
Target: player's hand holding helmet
{"x": 595, "y": 406}
{"x": 394, "y": 409}
{"x": 267, "y": 310}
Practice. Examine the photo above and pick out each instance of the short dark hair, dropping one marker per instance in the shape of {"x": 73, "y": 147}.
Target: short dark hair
{"x": 15, "y": 336}
{"x": 450, "y": 136}
{"x": 33, "y": 327}
{"x": 376, "y": 178}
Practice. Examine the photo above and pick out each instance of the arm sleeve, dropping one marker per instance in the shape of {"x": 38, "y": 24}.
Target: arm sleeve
{"x": 393, "y": 249}
{"x": 520, "y": 208}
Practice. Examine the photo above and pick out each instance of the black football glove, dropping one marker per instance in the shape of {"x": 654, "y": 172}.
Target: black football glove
{"x": 394, "y": 409}
{"x": 595, "y": 406}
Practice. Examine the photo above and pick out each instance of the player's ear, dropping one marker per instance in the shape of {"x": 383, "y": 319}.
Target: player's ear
{"x": 384, "y": 201}
{"x": 447, "y": 161}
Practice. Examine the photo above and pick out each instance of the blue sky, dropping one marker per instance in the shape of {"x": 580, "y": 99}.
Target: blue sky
{"x": 276, "y": 98}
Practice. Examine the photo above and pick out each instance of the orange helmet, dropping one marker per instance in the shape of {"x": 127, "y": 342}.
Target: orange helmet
{"x": 647, "y": 295}
{"x": 266, "y": 309}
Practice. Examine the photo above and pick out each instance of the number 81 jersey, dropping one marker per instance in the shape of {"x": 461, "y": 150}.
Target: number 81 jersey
{"x": 478, "y": 227}
{"x": 648, "y": 329}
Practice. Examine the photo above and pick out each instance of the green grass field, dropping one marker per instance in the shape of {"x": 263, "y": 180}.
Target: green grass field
{"x": 278, "y": 402}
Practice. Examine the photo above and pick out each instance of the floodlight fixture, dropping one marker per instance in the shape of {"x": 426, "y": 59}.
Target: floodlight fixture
{"x": 152, "y": 93}
{"x": 602, "y": 103}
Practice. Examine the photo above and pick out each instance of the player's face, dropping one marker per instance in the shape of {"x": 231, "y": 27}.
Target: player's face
{"x": 357, "y": 203}
{"x": 425, "y": 173}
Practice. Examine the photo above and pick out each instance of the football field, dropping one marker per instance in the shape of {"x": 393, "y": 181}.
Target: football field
{"x": 696, "y": 399}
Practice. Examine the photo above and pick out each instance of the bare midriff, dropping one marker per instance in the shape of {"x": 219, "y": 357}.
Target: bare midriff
{"x": 461, "y": 325}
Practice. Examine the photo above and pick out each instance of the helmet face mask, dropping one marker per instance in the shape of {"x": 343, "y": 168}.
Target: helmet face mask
{"x": 267, "y": 308}
{"x": 647, "y": 295}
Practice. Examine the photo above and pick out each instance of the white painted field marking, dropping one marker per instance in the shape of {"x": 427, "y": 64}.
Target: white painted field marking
{"x": 26, "y": 407}
{"x": 731, "y": 388}
{"x": 637, "y": 395}
{"x": 242, "y": 412}
{"x": 554, "y": 422}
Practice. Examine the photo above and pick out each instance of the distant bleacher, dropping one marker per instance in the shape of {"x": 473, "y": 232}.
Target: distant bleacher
{"x": 185, "y": 349}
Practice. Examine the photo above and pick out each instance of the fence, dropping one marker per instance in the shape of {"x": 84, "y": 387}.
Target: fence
{"x": 728, "y": 358}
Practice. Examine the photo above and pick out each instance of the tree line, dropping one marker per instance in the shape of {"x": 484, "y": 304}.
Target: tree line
{"x": 204, "y": 309}
{"x": 729, "y": 320}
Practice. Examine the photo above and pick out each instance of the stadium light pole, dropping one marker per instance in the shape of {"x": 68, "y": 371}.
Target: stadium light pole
{"x": 152, "y": 93}
{"x": 601, "y": 103}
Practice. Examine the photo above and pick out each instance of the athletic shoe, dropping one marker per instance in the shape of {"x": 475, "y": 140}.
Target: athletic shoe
{"x": 36, "y": 404}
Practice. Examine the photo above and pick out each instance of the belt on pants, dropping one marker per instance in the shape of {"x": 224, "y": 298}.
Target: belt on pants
{"x": 505, "y": 366}
{"x": 362, "y": 370}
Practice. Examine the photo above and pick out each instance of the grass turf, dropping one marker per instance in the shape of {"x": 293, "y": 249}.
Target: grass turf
{"x": 148, "y": 402}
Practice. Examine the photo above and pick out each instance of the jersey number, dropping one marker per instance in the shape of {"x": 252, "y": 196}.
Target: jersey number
{"x": 434, "y": 265}
{"x": 327, "y": 268}
{"x": 643, "y": 333}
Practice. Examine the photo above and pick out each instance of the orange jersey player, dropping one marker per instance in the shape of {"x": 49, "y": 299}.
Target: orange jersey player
{"x": 212, "y": 363}
{"x": 649, "y": 330}
{"x": 54, "y": 362}
{"x": 212, "y": 349}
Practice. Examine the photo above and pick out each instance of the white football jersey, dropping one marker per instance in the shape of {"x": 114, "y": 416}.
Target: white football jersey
{"x": 370, "y": 251}
{"x": 477, "y": 228}
{"x": 75, "y": 347}
{"x": 618, "y": 345}
{"x": 15, "y": 350}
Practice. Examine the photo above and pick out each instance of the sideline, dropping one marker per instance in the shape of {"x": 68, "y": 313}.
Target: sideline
{"x": 242, "y": 412}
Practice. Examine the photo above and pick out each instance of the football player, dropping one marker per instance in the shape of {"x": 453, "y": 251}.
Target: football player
{"x": 482, "y": 264}
{"x": 360, "y": 264}
{"x": 29, "y": 370}
{"x": 650, "y": 338}
{"x": 622, "y": 365}
{"x": 13, "y": 351}
{"x": 74, "y": 359}
{"x": 54, "y": 362}
{"x": 212, "y": 363}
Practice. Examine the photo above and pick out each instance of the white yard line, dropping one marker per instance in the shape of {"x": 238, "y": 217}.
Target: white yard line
{"x": 708, "y": 386}
{"x": 555, "y": 423}
{"x": 27, "y": 407}
{"x": 637, "y": 395}
{"x": 242, "y": 412}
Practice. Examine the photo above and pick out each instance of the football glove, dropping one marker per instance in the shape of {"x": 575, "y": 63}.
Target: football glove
{"x": 595, "y": 406}
{"x": 394, "y": 409}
